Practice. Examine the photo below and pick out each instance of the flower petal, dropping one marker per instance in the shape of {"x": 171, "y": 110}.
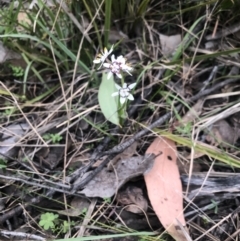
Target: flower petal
{"x": 118, "y": 86}
{"x": 119, "y": 75}
{"x": 113, "y": 58}
{"x": 130, "y": 97}
{"x": 105, "y": 51}
{"x": 131, "y": 86}
{"x": 97, "y": 61}
{"x": 124, "y": 86}
{"x": 111, "y": 49}
{"x": 122, "y": 100}
{"x": 127, "y": 69}
{"x": 121, "y": 60}
{"x": 107, "y": 65}
{"x": 128, "y": 72}
{"x": 115, "y": 94}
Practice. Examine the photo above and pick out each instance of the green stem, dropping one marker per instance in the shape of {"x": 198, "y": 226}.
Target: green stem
{"x": 122, "y": 109}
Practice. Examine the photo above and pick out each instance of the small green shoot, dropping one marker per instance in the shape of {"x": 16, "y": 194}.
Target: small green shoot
{"x": 65, "y": 226}
{"x": 205, "y": 219}
{"x": 18, "y": 71}
{"x": 215, "y": 206}
{"x": 185, "y": 128}
{"x": 26, "y": 159}
{"x": 55, "y": 138}
{"x": 104, "y": 126}
{"x": 151, "y": 107}
{"x": 3, "y": 163}
{"x": 8, "y": 112}
{"x": 107, "y": 200}
{"x": 84, "y": 211}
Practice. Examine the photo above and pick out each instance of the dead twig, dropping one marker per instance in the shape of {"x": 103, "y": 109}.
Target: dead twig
{"x": 27, "y": 236}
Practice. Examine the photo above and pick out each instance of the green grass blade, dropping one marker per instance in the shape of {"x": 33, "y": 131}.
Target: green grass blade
{"x": 142, "y": 8}
{"x": 217, "y": 154}
{"x": 94, "y": 23}
{"x": 102, "y": 237}
{"x": 187, "y": 40}
{"x": 30, "y": 37}
{"x": 26, "y": 72}
{"x": 107, "y": 24}
{"x": 65, "y": 49}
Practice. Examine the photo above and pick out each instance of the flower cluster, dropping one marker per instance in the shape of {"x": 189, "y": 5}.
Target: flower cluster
{"x": 116, "y": 66}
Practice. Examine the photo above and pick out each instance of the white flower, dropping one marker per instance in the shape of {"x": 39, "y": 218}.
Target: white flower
{"x": 121, "y": 61}
{"x": 114, "y": 68}
{"x": 124, "y": 92}
{"x": 117, "y": 66}
{"x": 102, "y": 56}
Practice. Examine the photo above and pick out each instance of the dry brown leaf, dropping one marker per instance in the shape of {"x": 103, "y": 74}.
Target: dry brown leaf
{"x": 127, "y": 153}
{"x": 165, "y": 188}
{"x": 6, "y": 54}
{"x": 221, "y": 133}
{"x": 193, "y": 113}
{"x": 187, "y": 72}
{"x": 10, "y": 135}
{"x": 169, "y": 43}
{"x": 106, "y": 183}
{"x": 132, "y": 195}
{"x": 185, "y": 166}
{"x": 78, "y": 206}
{"x": 24, "y": 19}
{"x": 52, "y": 156}
{"x": 115, "y": 35}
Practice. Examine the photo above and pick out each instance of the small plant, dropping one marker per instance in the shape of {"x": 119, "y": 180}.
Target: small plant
{"x": 84, "y": 211}
{"x": 107, "y": 200}
{"x": 55, "y": 138}
{"x": 3, "y": 163}
{"x": 215, "y": 206}
{"x": 7, "y": 112}
{"x": 104, "y": 126}
{"x": 205, "y": 219}
{"x": 17, "y": 71}
{"x": 26, "y": 159}
{"x": 65, "y": 226}
{"x": 111, "y": 96}
{"x": 48, "y": 221}
{"x": 185, "y": 129}
{"x": 151, "y": 107}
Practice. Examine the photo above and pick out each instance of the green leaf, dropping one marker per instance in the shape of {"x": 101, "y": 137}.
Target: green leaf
{"x": 3, "y": 163}
{"x": 47, "y": 220}
{"x": 108, "y": 104}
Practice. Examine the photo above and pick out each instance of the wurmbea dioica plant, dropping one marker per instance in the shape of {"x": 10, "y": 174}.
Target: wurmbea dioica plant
{"x": 111, "y": 96}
